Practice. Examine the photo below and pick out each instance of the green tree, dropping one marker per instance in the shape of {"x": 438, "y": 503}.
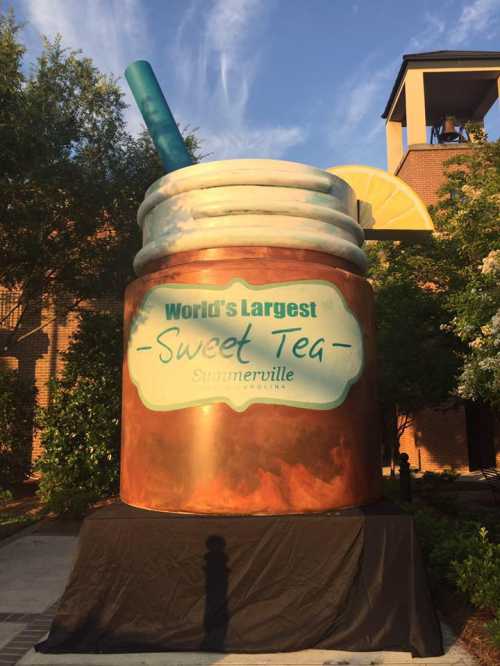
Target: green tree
{"x": 438, "y": 301}
{"x": 71, "y": 178}
{"x": 468, "y": 224}
{"x": 417, "y": 357}
{"x": 80, "y": 428}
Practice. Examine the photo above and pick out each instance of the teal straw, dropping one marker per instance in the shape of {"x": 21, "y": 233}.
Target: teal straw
{"x": 159, "y": 120}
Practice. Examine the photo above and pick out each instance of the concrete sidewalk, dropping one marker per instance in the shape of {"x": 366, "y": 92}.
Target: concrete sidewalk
{"x": 34, "y": 567}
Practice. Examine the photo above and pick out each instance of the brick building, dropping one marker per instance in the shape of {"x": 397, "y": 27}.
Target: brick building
{"x": 38, "y": 356}
{"x": 429, "y": 88}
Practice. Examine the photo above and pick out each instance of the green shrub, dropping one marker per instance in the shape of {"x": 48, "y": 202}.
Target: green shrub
{"x": 430, "y": 481}
{"x": 447, "y": 475}
{"x": 489, "y": 520}
{"x": 81, "y": 426}
{"x": 16, "y": 428}
{"x": 391, "y": 488}
{"x": 478, "y": 575}
{"x": 444, "y": 540}
{"x": 460, "y": 552}
{"x": 5, "y": 496}
{"x": 444, "y": 502}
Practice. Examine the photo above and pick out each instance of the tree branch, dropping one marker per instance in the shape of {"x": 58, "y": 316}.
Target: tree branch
{"x": 46, "y": 323}
{"x": 404, "y": 424}
{"x": 12, "y": 334}
{"x": 18, "y": 303}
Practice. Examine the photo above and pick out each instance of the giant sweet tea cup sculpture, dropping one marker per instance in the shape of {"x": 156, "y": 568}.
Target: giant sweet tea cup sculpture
{"x": 249, "y": 364}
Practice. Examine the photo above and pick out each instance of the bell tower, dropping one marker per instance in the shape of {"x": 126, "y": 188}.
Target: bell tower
{"x": 433, "y": 98}
{"x": 435, "y": 94}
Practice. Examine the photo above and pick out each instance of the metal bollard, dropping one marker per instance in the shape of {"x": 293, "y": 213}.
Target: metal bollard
{"x": 404, "y": 478}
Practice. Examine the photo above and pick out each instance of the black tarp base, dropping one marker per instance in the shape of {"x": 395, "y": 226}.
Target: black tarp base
{"x": 154, "y": 582}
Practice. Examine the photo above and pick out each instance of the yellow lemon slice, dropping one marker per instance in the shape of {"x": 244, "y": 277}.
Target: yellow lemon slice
{"x": 395, "y": 208}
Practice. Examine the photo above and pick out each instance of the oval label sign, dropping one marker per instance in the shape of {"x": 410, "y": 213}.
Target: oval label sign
{"x": 292, "y": 343}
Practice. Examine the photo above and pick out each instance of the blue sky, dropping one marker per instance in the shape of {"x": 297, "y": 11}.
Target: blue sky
{"x": 304, "y": 80}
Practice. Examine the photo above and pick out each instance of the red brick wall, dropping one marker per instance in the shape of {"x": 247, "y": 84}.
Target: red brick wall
{"x": 39, "y": 356}
{"x": 422, "y": 168}
{"x": 437, "y": 440}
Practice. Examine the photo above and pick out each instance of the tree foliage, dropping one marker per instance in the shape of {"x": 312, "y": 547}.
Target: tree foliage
{"x": 16, "y": 429}
{"x": 71, "y": 177}
{"x": 438, "y": 302}
{"x": 417, "y": 358}
{"x": 80, "y": 428}
{"x": 468, "y": 222}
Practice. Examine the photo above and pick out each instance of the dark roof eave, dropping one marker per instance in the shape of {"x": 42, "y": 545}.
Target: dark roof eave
{"x": 435, "y": 55}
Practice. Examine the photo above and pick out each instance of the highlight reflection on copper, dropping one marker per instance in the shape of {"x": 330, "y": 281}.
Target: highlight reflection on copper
{"x": 203, "y": 462}
{"x": 268, "y": 459}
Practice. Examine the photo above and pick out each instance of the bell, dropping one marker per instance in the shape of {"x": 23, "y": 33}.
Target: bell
{"x": 448, "y": 132}
{"x": 449, "y": 125}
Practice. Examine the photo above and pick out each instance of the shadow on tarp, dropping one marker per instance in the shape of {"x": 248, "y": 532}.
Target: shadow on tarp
{"x": 216, "y": 617}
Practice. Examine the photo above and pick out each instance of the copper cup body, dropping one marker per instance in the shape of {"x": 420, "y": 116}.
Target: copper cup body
{"x": 269, "y": 458}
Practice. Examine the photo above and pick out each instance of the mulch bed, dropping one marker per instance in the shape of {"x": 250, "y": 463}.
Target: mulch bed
{"x": 26, "y": 509}
{"x": 468, "y": 624}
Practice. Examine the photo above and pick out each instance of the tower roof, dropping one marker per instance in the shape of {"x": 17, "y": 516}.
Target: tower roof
{"x": 438, "y": 56}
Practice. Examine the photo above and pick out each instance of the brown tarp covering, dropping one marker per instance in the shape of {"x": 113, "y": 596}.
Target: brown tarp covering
{"x": 151, "y": 582}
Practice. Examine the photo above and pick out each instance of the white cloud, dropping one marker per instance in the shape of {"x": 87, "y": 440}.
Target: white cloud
{"x": 477, "y": 19}
{"x": 356, "y": 123}
{"x": 111, "y": 32}
{"x": 215, "y": 71}
{"x": 434, "y": 29}
{"x": 268, "y": 142}
{"x": 214, "y": 57}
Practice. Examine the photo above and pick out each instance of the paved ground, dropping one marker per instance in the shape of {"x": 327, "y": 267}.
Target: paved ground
{"x": 34, "y": 566}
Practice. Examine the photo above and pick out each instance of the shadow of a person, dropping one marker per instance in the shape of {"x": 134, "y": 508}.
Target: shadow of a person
{"x": 216, "y": 617}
